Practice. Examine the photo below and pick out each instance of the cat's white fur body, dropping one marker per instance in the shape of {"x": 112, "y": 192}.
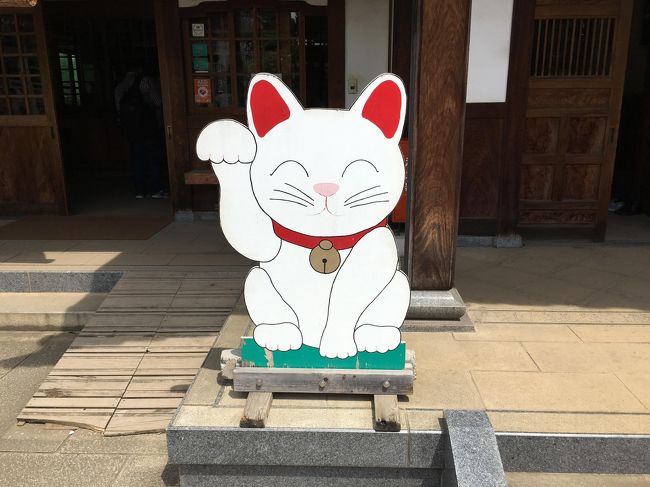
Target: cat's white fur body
{"x": 278, "y": 174}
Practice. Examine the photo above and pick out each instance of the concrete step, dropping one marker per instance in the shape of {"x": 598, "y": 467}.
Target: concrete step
{"x": 47, "y": 311}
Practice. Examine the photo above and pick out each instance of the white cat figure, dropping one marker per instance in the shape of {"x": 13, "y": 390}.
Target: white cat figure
{"x": 297, "y": 178}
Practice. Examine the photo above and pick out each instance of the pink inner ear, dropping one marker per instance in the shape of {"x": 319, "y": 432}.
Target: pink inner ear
{"x": 267, "y": 107}
{"x": 383, "y": 108}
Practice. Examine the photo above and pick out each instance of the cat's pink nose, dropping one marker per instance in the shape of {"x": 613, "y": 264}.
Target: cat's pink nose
{"x": 326, "y": 189}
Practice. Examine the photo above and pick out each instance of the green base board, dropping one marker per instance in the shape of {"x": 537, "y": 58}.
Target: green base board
{"x": 307, "y": 357}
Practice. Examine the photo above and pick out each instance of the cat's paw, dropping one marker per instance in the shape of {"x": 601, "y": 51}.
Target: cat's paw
{"x": 281, "y": 337}
{"x": 370, "y": 338}
{"x": 334, "y": 346}
{"x": 226, "y": 141}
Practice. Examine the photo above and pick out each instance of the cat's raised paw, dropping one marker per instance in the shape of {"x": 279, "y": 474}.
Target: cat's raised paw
{"x": 280, "y": 337}
{"x": 370, "y": 338}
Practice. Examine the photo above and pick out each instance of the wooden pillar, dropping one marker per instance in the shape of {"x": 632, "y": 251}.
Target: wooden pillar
{"x": 172, "y": 83}
{"x": 437, "y": 118}
{"x": 521, "y": 38}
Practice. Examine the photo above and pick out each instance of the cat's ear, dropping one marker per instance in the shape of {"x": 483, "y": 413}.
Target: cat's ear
{"x": 270, "y": 103}
{"x": 383, "y": 103}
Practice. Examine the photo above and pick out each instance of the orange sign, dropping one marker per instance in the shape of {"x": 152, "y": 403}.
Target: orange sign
{"x": 202, "y": 90}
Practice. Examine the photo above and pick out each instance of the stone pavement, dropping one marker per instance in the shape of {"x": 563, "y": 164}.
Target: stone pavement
{"x": 562, "y": 345}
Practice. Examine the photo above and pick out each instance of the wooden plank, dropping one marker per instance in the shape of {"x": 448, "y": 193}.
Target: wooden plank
{"x": 149, "y": 403}
{"x": 170, "y": 364}
{"x": 256, "y": 410}
{"x": 201, "y": 176}
{"x": 436, "y": 140}
{"x": 189, "y": 343}
{"x": 386, "y": 413}
{"x": 73, "y": 402}
{"x": 135, "y": 421}
{"x": 323, "y": 381}
{"x": 144, "y": 387}
{"x": 93, "y": 419}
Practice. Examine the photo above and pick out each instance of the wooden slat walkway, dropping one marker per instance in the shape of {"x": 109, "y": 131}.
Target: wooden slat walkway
{"x": 131, "y": 365}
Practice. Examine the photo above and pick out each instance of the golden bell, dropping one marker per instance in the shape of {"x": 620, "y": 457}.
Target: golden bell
{"x": 325, "y": 258}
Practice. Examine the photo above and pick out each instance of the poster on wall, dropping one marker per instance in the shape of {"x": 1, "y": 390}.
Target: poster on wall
{"x": 202, "y": 90}
{"x": 313, "y": 213}
{"x": 198, "y": 30}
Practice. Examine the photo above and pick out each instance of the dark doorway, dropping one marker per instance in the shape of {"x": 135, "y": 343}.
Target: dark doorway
{"x": 93, "y": 45}
{"x": 629, "y": 208}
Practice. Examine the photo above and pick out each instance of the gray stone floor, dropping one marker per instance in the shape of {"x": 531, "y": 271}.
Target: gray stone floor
{"x": 44, "y": 455}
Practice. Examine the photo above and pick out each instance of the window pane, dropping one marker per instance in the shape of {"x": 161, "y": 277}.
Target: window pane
{"x": 18, "y": 106}
{"x": 242, "y": 89}
{"x": 288, "y": 24}
{"x": 31, "y": 65}
{"x": 25, "y": 23}
{"x": 245, "y": 61}
{"x": 289, "y": 56}
{"x": 7, "y": 23}
{"x": 15, "y": 86}
{"x": 222, "y": 92}
{"x": 12, "y": 65}
{"x": 220, "y": 56}
{"x": 36, "y": 106}
{"x": 34, "y": 85}
{"x": 9, "y": 44}
{"x": 269, "y": 56}
{"x": 219, "y": 24}
{"x": 28, "y": 44}
{"x": 4, "y": 106}
{"x": 267, "y": 23}
{"x": 243, "y": 23}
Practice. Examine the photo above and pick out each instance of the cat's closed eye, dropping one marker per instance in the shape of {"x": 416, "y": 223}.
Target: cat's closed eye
{"x": 289, "y": 162}
{"x": 359, "y": 161}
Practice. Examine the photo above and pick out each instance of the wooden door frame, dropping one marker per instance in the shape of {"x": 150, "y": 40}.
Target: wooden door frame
{"x": 49, "y": 119}
{"x": 514, "y": 133}
{"x": 621, "y": 45}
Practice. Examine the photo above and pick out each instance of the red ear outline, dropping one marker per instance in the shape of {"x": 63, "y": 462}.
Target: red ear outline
{"x": 267, "y": 107}
{"x": 383, "y": 107}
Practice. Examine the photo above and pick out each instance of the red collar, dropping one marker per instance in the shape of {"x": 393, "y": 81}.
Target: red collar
{"x": 341, "y": 242}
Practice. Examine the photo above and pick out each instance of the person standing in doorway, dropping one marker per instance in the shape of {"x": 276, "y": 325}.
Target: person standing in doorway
{"x": 138, "y": 103}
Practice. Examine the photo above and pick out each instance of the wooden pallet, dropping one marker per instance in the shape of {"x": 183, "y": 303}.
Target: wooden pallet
{"x": 261, "y": 382}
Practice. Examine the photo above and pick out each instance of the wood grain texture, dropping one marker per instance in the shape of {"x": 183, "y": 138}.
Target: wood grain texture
{"x": 323, "y": 381}
{"x": 172, "y": 82}
{"x": 386, "y": 413}
{"x": 256, "y": 410}
{"x": 438, "y": 111}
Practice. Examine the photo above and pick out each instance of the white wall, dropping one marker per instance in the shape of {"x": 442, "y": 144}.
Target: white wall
{"x": 367, "y": 27}
{"x": 489, "y": 51}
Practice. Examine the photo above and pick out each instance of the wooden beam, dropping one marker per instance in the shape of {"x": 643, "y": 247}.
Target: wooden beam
{"x": 172, "y": 82}
{"x": 323, "y": 381}
{"x": 521, "y": 37}
{"x": 437, "y": 117}
{"x": 386, "y": 413}
{"x": 258, "y": 405}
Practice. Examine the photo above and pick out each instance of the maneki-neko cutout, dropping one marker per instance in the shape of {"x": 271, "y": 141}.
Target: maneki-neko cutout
{"x": 306, "y": 193}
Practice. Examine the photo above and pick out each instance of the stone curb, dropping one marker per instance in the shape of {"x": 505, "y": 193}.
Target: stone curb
{"x": 58, "y": 282}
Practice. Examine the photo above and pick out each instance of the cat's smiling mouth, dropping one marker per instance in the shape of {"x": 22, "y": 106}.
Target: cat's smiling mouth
{"x": 325, "y": 209}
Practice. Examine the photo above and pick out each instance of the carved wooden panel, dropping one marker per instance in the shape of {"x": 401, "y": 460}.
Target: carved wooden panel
{"x": 536, "y": 182}
{"x": 581, "y": 182}
{"x": 479, "y": 195}
{"x": 567, "y": 97}
{"x": 586, "y": 135}
{"x": 542, "y": 135}
{"x": 555, "y": 217}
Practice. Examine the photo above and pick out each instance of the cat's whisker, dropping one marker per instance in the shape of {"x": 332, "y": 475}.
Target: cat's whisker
{"x": 370, "y": 203}
{"x": 300, "y": 190}
{"x": 357, "y": 194}
{"x": 289, "y": 201}
{"x": 294, "y": 196}
{"x": 365, "y": 198}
